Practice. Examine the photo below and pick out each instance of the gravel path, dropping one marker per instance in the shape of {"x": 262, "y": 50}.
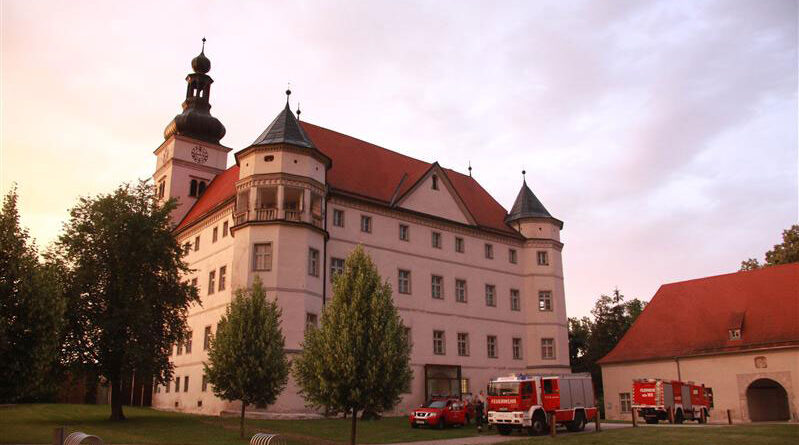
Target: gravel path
{"x": 490, "y": 438}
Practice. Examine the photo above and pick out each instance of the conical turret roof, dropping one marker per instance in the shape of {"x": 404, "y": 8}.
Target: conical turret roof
{"x": 284, "y": 129}
{"x": 527, "y": 205}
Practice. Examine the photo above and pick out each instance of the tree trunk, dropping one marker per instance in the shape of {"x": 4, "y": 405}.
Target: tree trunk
{"x": 354, "y": 420}
{"x": 116, "y": 400}
{"x": 241, "y": 423}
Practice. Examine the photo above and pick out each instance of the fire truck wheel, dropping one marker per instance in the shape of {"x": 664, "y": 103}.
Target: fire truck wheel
{"x": 679, "y": 418}
{"x": 651, "y": 420}
{"x": 539, "y": 424}
{"x": 578, "y": 424}
{"x": 503, "y": 429}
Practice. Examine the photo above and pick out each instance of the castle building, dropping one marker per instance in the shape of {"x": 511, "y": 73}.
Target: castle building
{"x": 480, "y": 289}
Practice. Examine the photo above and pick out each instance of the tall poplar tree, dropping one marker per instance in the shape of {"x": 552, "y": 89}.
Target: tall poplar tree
{"x": 247, "y": 360}
{"x": 31, "y": 312}
{"x": 126, "y": 303}
{"x": 358, "y": 359}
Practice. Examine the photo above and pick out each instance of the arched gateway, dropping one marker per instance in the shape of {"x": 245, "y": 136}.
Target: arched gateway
{"x": 767, "y": 400}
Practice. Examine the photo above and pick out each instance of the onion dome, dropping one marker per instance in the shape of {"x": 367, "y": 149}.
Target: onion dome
{"x": 196, "y": 121}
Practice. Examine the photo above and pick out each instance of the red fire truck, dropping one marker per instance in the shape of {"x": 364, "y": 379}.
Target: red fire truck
{"x": 675, "y": 401}
{"x": 533, "y": 402}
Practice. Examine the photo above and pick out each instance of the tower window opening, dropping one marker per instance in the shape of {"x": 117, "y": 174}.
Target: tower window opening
{"x": 201, "y": 189}
{"x": 193, "y": 188}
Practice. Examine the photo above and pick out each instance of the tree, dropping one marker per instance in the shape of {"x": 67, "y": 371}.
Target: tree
{"x": 126, "y": 303}
{"x": 358, "y": 359}
{"x": 783, "y": 253}
{"x": 247, "y": 360}
{"x": 592, "y": 339}
{"x": 31, "y": 312}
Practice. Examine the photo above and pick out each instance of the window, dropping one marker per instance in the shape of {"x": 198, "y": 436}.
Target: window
{"x": 624, "y": 402}
{"x": 186, "y": 384}
{"x": 205, "y": 383}
{"x": 336, "y": 267}
{"x": 207, "y": 338}
{"x": 463, "y": 344}
{"x": 310, "y": 321}
{"x": 436, "y": 240}
{"x": 491, "y": 295}
{"x": 215, "y": 234}
{"x": 548, "y": 348}
{"x": 225, "y": 229}
{"x": 166, "y": 387}
{"x": 465, "y": 386}
{"x": 201, "y": 189}
{"x": 460, "y": 291}
{"x": 436, "y": 285}
{"x": 197, "y": 243}
{"x": 161, "y": 187}
{"x": 735, "y": 334}
{"x": 188, "y": 342}
{"x": 438, "y": 343}
{"x": 366, "y": 224}
{"x": 544, "y": 300}
{"x": 512, "y": 257}
{"x": 186, "y": 248}
{"x": 459, "y": 244}
{"x": 211, "y": 281}
{"x": 517, "y": 348}
{"x": 222, "y": 276}
{"x": 404, "y": 232}
{"x": 515, "y": 301}
{"x": 404, "y": 281}
{"x": 194, "y": 283}
{"x": 489, "y": 251}
{"x": 543, "y": 258}
{"x": 179, "y": 348}
{"x": 177, "y": 384}
{"x": 435, "y": 182}
{"x": 491, "y": 346}
{"x": 193, "y": 187}
{"x": 313, "y": 262}
{"x": 262, "y": 257}
{"x": 338, "y": 217}
{"x": 409, "y": 337}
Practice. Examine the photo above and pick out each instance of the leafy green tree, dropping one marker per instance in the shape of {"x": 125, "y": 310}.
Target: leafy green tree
{"x": 127, "y": 304}
{"x": 783, "y": 253}
{"x": 247, "y": 360}
{"x": 31, "y": 312}
{"x": 358, "y": 359}
{"x": 592, "y": 339}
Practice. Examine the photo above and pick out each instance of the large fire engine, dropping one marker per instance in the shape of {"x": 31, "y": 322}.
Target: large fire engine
{"x": 675, "y": 401}
{"x": 532, "y": 403}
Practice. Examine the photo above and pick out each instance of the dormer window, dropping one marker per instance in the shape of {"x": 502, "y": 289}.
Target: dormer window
{"x": 435, "y": 182}
{"x": 735, "y": 325}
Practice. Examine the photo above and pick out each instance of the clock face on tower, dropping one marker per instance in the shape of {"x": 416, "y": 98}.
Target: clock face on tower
{"x": 199, "y": 154}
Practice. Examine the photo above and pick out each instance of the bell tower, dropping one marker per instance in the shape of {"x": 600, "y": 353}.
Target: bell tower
{"x": 191, "y": 155}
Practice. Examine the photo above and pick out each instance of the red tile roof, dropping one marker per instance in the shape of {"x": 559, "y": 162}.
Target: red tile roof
{"x": 369, "y": 171}
{"x": 693, "y": 317}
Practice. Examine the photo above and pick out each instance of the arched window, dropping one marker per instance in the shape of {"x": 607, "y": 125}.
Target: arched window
{"x": 193, "y": 188}
{"x": 201, "y": 189}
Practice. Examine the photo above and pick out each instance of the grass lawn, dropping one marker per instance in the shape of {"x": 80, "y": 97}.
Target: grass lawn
{"x": 763, "y": 434}
{"x": 33, "y": 424}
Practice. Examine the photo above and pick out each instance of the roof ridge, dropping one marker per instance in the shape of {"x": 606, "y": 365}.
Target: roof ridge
{"x": 727, "y": 274}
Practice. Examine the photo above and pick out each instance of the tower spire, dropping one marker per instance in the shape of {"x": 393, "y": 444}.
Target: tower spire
{"x": 196, "y": 120}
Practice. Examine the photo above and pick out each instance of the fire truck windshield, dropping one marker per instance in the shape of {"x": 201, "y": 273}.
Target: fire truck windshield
{"x": 503, "y": 389}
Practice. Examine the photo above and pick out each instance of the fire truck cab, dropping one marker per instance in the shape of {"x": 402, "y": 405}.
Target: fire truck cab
{"x": 675, "y": 401}
{"x": 532, "y": 402}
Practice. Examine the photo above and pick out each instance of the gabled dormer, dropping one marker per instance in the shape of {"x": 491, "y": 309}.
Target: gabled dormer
{"x": 433, "y": 194}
